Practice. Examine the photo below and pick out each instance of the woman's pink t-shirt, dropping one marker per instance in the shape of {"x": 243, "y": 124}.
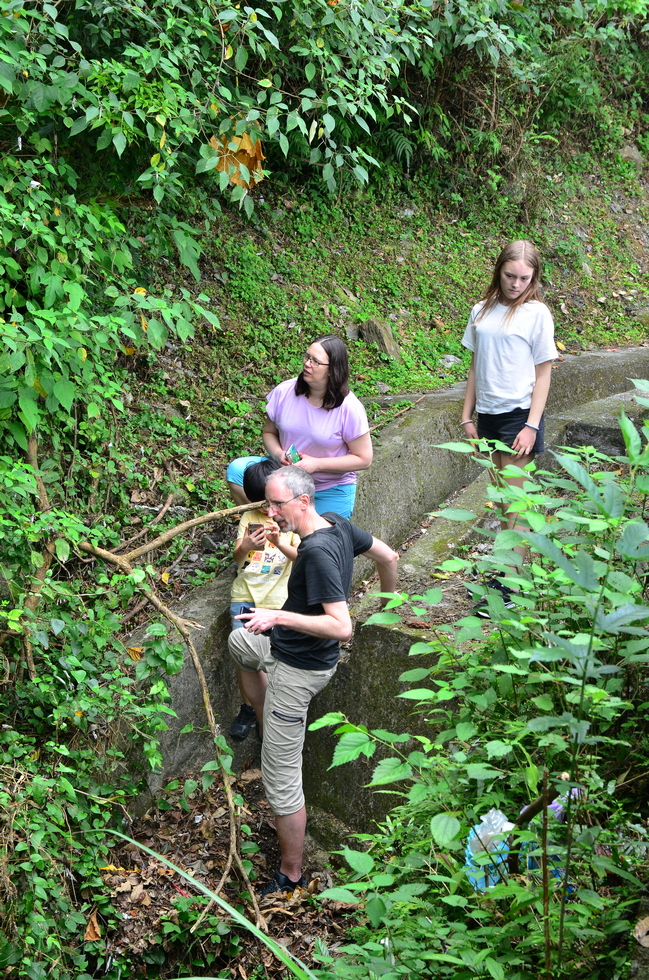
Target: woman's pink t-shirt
{"x": 316, "y": 431}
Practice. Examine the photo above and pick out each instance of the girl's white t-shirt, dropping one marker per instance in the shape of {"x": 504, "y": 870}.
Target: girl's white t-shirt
{"x": 506, "y": 352}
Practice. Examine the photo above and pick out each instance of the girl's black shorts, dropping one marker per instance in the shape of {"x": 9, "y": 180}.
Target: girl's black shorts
{"x": 506, "y": 426}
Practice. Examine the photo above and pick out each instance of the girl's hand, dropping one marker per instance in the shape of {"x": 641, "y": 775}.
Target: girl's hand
{"x": 272, "y": 532}
{"x": 254, "y": 541}
{"x": 310, "y": 463}
{"x": 470, "y": 431}
{"x": 523, "y": 444}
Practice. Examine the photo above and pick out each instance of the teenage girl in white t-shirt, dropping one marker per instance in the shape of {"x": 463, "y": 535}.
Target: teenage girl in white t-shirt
{"x": 511, "y": 335}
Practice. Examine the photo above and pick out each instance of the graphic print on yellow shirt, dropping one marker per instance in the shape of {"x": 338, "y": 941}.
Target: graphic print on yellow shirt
{"x": 263, "y": 575}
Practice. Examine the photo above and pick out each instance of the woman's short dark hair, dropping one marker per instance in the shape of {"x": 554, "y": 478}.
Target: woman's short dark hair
{"x": 338, "y": 376}
{"x": 255, "y": 476}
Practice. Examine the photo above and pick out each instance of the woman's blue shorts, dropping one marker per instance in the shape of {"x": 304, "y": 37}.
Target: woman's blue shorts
{"x": 338, "y": 499}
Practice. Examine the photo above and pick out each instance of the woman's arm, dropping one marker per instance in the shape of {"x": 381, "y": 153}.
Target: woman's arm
{"x": 359, "y": 457}
{"x": 270, "y": 435}
{"x": 470, "y": 431}
{"x": 523, "y": 444}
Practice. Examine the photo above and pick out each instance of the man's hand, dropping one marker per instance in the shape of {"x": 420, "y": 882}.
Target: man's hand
{"x": 260, "y": 620}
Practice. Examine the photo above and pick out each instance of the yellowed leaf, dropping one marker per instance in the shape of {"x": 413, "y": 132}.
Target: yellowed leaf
{"x": 249, "y": 775}
{"x": 140, "y": 290}
{"x": 135, "y": 653}
{"x": 37, "y": 386}
{"x": 129, "y": 350}
{"x": 165, "y": 577}
{"x": 229, "y": 51}
{"x": 93, "y": 931}
{"x": 57, "y": 212}
{"x": 143, "y": 322}
{"x": 82, "y": 353}
{"x": 163, "y": 139}
{"x": 560, "y": 345}
{"x": 155, "y": 160}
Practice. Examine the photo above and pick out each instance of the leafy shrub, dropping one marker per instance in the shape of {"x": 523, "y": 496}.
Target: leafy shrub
{"x": 548, "y": 705}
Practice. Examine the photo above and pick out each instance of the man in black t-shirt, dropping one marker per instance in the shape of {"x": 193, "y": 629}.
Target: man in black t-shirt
{"x": 286, "y": 656}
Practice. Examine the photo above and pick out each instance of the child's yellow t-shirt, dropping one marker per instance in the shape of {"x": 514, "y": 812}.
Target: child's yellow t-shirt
{"x": 262, "y": 578}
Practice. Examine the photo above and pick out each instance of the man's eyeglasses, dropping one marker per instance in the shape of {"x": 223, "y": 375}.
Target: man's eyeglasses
{"x": 314, "y": 360}
{"x": 278, "y": 504}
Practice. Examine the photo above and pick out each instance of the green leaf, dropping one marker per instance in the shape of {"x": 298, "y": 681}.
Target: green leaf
{"x": 29, "y": 413}
{"x": 78, "y": 125}
{"x": 351, "y": 746}
{"x": 62, "y": 548}
{"x": 382, "y": 619}
{"x": 376, "y": 909}
{"x": 419, "y": 694}
{"x": 64, "y": 392}
{"x": 119, "y": 142}
{"x": 444, "y": 827}
{"x": 359, "y": 861}
{"x": 497, "y": 749}
{"x": 465, "y": 730}
{"x": 340, "y": 895}
{"x": 454, "y": 514}
{"x": 241, "y": 58}
{"x": 331, "y": 718}
{"x": 477, "y": 770}
{"x": 329, "y": 122}
{"x": 631, "y": 437}
{"x": 456, "y": 447}
{"x": 309, "y": 71}
{"x": 633, "y": 536}
{"x": 390, "y": 771}
{"x": 189, "y": 251}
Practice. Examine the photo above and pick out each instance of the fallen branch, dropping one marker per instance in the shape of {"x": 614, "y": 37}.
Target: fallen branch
{"x": 158, "y": 517}
{"x": 173, "y": 532}
{"x": 183, "y": 626}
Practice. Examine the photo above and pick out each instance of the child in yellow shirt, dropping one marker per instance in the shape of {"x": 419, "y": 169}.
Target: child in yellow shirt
{"x": 265, "y": 556}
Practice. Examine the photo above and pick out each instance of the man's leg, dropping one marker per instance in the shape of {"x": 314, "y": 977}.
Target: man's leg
{"x": 289, "y": 694}
{"x": 290, "y": 833}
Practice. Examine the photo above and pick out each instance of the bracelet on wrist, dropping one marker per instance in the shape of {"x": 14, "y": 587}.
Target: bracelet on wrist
{"x": 466, "y": 422}
{"x": 530, "y": 426}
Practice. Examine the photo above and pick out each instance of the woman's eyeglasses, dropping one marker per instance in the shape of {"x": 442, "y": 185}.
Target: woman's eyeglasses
{"x": 314, "y": 360}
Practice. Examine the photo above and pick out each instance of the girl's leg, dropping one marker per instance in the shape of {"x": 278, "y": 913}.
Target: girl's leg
{"x": 500, "y": 461}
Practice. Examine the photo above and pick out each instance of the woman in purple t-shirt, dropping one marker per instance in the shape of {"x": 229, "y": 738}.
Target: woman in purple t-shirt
{"x": 316, "y": 413}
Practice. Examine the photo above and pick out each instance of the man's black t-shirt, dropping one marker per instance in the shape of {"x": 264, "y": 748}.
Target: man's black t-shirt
{"x": 322, "y": 573}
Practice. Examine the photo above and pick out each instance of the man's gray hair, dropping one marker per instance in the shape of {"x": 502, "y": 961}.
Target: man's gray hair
{"x": 297, "y": 480}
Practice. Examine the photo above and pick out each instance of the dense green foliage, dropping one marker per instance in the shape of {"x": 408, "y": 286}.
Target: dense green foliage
{"x": 552, "y": 699}
{"x": 113, "y": 196}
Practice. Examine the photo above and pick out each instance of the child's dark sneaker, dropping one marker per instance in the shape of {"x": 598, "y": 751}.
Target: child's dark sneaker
{"x": 482, "y": 608}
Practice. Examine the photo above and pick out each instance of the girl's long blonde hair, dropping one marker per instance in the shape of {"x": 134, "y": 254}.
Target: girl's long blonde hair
{"x": 514, "y": 252}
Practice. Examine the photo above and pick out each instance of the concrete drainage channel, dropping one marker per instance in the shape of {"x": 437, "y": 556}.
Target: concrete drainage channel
{"x": 409, "y": 478}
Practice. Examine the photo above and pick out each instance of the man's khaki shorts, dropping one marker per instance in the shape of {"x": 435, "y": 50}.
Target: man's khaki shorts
{"x": 287, "y": 701}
